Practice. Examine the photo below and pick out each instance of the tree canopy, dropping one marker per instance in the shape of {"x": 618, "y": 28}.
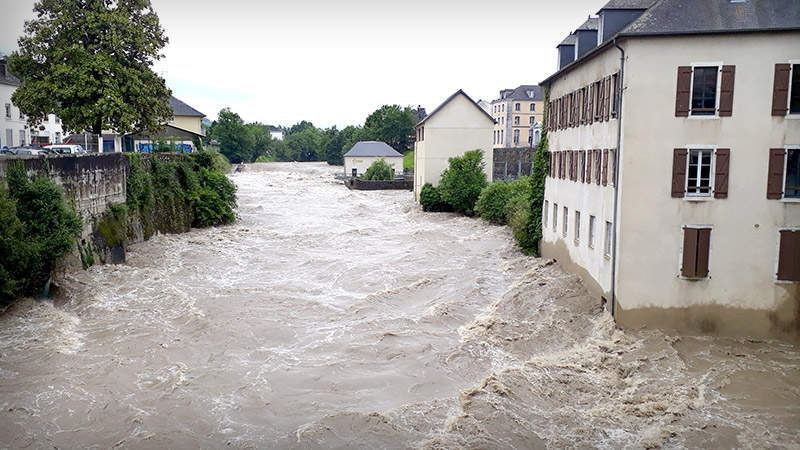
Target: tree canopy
{"x": 393, "y": 125}
{"x": 89, "y": 62}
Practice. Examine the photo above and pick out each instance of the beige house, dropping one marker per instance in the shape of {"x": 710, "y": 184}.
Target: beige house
{"x": 363, "y": 154}
{"x": 455, "y": 127}
{"x": 182, "y": 131}
{"x": 515, "y": 113}
{"x": 674, "y": 185}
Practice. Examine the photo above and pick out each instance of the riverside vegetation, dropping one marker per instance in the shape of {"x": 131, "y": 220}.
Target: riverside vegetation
{"x": 463, "y": 188}
{"x": 165, "y": 194}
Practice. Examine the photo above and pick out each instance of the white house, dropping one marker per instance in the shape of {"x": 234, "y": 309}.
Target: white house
{"x": 674, "y": 186}
{"x": 455, "y": 127}
{"x": 358, "y": 159}
{"x": 14, "y": 129}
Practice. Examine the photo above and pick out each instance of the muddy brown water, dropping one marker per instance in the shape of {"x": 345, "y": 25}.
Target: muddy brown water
{"x": 328, "y": 318}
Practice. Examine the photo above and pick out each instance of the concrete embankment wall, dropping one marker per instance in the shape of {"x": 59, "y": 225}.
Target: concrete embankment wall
{"x": 93, "y": 183}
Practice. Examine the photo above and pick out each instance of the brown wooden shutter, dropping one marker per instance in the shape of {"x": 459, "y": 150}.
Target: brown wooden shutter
{"x": 590, "y": 119}
{"x": 605, "y": 167}
{"x": 609, "y": 98}
{"x": 689, "y": 265}
{"x": 587, "y": 157}
{"x": 597, "y": 161}
{"x": 726, "y": 91}
{"x": 682, "y": 92}
{"x": 780, "y": 90}
{"x": 703, "y": 250}
{"x": 582, "y": 167}
{"x": 789, "y": 256}
{"x": 721, "y": 165}
{"x": 775, "y": 175}
{"x": 679, "y": 172}
{"x": 563, "y": 164}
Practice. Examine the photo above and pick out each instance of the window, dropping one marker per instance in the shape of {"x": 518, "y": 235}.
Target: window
{"x": 609, "y": 238}
{"x": 21, "y": 137}
{"x": 56, "y": 119}
{"x": 546, "y": 212}
{"x": 704, "y": 90}
{"x": 592, "y": 231}
{"x": 504, "y": 107}
{"x": 565, "y": 222}
{"x": 577, "y": 227}
{"x": 555, "y": 217}
{"x": 612, "y": 163}
{"x": 532, "y": 120}
{"x": 516, "y": 120}
{"x": 794, "y": 89}
{"x": 516, "y": 137}
{"x": 533, "y": 106}
{"x": 614, "y": 94}
{"x": 791, "y": 188}
{"x": 789, "y": 255}
{"x": 698, "y": 174}
{"x": 8, "y": 110}
{"x": 516, "y": 107}
{"x": 696, "y": 250}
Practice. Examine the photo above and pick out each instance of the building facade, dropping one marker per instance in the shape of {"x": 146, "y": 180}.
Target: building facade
{"x": 363, "y": 154}
{"x": 674, "y": 187}
{"x": 515, "y": 112}
{"x": 14, "y": 128}
{"x": 457, "y": 126}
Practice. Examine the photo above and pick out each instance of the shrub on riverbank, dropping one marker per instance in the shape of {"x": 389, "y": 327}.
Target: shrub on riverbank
{"x": 463, "y": 181}
{"x": 379, "y": 170}
{"x": 431, "y": 199}
{"x": 36, "y": 228}
{"x": 492, "y": 202}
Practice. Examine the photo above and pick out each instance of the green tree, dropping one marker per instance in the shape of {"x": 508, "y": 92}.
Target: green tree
{"x": 300, "y": 127}
{"x": 529, "y": 240}
{"x": 379, "y": 170}
{"x": 236, "y": 142}
{"x": 89, "y": 62}
{"x": 350, "y": 136}
{"x": 462, "y": 181}
{"x": 391, "y": 124}
{"x": 305, "y": 145}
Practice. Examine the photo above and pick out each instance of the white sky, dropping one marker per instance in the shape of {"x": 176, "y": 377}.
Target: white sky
{"x": 335, "y": 61}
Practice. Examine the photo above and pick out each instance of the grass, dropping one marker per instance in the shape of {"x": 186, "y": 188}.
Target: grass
{"x": 408, "y": 159}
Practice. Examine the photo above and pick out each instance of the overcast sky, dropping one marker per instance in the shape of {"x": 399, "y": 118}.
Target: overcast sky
{"x": 334, "y": 61}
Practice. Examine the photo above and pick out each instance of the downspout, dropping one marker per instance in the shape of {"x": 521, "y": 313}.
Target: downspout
{"x": 616, "y": 179}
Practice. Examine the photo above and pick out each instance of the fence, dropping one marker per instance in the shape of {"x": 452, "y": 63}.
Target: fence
{"x": 512, "y": 163}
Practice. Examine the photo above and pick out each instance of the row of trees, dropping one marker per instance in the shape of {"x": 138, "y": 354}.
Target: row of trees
{"x": 248, "y": 142}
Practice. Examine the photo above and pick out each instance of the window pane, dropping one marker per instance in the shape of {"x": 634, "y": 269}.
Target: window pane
{"x": 794, "y": 101}
{"x": 698, "y": 177}
{"x": 792, "y": 173}
{"x": 704, "y": 90}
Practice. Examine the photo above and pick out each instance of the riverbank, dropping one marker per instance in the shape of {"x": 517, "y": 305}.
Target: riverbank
{"x": 326, "y": 317}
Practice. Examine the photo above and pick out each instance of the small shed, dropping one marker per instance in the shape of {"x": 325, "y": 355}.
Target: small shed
{"x": 364, "y": 153}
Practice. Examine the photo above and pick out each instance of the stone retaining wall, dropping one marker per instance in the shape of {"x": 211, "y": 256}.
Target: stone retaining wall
{"x": 364, "y": 185}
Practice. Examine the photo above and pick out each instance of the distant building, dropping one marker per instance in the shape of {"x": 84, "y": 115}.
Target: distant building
{"x": 514, "y": 112}
{"x": 181, "y": 132}
{"x": 14, "y": 129}
{"x": 276, "y": 132}
{"x": 674, "y": 185}
{"x": 358, "y": 159}
{"x": 487, "y": 106}
{"x": 455, "y": 127}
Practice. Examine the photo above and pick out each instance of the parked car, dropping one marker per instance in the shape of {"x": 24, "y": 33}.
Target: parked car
{"x": 66, "y": 149}
{"x": 26, "y": 151}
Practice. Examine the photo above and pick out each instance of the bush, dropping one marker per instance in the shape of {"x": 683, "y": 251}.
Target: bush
{"x": 266, "y": 159}
{"x": 431, "y": 200}
{"x": 213, "y": 160}
{"x": 463, "y": 181}
{"x": 517, "y": 213}
{"x": 380, "y": 170}
{"x": 36, "y": 228}
{"x": 493, "y": 201}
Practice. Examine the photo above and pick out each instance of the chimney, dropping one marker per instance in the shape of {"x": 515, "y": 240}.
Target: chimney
{"x": 566, "y": 50}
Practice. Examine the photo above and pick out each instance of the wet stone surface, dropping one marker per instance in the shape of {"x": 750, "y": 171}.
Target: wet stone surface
{"x": 329, "y": 318}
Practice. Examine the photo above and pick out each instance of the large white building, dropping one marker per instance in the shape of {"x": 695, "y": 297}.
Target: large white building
{"x": 674, "y": 187}
{"x": 14, "y": 129}
{"x": 457, "y": 126}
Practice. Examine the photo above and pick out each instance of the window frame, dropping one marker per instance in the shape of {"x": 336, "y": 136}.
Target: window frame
{"x": 517, "y": 107}
{"x": 609, "y": 237}
{"x": 778, "y": 255}
{"x": 592, "y": 231}
{"x": 789, "y": 114}
{"x": 532, "y": 107}
{"x": 545, "y": 215}
{"x": 786, "y": 149}
{"x": 711, "y": 180}
{"x": 8, "y": 110}
{"x": 719, "y": 65}
{"x": 516, "y": 137}
{"x": 565, "y": 224}
{"x": 555, "y": 217}
{"x": 516, "y": 120}
{"x": 710, "y": 251}
{"x": 577, "y": 228}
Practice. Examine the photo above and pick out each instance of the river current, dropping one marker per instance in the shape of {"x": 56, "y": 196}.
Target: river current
{"x": 329, "y": 318}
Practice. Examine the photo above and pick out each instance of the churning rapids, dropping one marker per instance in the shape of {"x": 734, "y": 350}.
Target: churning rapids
{"x": 328, "y": 318}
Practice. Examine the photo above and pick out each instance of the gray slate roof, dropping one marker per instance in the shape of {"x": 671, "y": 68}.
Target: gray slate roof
{"x": 628, "y": 4}
{"x": 715, "y": 16}
{"x": 180, "y": 108}
{"x": 569, "y": 40}
{"x": 7, "y": 77}
{"x": 373, "y": 148}
{"x": 591, "y": 24}
{"x": 521, "y": 93}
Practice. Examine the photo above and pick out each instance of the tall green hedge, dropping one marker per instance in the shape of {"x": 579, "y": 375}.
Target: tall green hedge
{"x": 529, "y": 240}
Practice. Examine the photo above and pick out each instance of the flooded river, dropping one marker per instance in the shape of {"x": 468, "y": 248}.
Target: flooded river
{"x": 328, "y": 318}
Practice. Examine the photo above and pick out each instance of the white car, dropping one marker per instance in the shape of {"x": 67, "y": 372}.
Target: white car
{"x": 66, "y": 149}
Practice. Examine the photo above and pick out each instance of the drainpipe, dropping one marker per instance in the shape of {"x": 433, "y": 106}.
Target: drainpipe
{"x": 616, "y": 179}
